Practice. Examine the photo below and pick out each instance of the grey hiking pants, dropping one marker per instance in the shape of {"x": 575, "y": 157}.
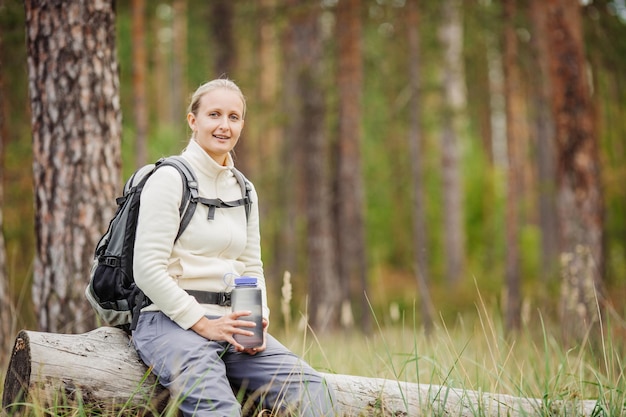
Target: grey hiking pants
{"x": 211, "y": 378}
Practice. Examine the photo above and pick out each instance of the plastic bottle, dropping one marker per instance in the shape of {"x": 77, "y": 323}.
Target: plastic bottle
{"x": 247, "y": 296}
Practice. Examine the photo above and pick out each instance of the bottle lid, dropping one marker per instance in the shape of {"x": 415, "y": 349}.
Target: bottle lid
{"x": 245, "y": 281}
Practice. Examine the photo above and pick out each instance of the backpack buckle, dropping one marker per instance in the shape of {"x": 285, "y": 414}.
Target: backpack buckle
{"x": 225, "y": 299}
{"x": 110, "y": 261}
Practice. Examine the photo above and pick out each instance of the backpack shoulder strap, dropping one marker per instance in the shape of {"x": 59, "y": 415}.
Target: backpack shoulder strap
{"x": 190, "y": 189}
{"x": 245, "y": 189}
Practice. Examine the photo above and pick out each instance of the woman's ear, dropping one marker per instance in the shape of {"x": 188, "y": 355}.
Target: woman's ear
{"x": 191, "y": 121}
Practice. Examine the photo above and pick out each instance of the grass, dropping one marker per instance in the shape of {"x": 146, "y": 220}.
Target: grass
{"x": 476, "y": 353}
{"x": 473, "y": 353}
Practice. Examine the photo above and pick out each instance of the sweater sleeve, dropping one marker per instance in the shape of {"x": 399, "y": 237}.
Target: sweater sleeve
{"x": 157, "y": 227}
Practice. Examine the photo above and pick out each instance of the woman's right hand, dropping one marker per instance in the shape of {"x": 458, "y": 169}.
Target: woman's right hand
{"x": 224, "y": 328}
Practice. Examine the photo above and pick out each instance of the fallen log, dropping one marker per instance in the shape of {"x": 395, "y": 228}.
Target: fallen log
{"x": 101, "y": 369}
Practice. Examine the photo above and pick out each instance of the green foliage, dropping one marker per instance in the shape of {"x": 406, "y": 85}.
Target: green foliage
{"x": 17, "y": 177}
{"x": 611, "y": 88}
{"x": 530, "y": 240}
{"x": 165, "y": 141}
{"x": 484, "y": 201}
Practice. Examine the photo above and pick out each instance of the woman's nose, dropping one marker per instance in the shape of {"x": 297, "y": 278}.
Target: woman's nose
{"x": 224, "y": 125}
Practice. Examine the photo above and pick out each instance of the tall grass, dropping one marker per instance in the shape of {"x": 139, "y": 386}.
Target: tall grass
{"x": 475, "y": 352}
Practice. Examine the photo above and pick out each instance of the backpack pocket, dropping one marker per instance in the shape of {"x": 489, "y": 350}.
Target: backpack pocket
{"x": 110, "y": 294}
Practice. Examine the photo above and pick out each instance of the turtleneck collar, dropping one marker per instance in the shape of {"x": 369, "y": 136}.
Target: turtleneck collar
{"x": 203, "y": 161}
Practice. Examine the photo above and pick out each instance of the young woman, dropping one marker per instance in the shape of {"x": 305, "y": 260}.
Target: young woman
{"x": 188, "y": 341}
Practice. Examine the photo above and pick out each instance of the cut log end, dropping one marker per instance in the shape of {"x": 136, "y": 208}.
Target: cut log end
{"x": 99, "y": 370}
{"x": 18, "y": 374}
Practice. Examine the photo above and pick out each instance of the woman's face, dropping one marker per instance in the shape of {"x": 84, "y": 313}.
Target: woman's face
{"x": 218, "y": 123}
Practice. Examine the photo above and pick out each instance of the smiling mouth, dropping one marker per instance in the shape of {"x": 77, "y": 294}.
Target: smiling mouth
{"x": 221, "y": 137}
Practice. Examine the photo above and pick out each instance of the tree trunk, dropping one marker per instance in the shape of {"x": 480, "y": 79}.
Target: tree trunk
{"x": 76, "y": 122}
{"x": 224, "y": 39}
{"x": 179, "y": 61}
{"x": 261, "y": 146}
{"x": 420, "y": 243}
{"x": 351, "y": 256}
{"x": 264, "y": 150}
{"x": 478, "y": 75}
{"x": 324, "y": 295}
{"x": 484, "y": 84}
{"x": 451, "y": 35}
{"x": 544, "y": 133}
{"x": 514, "y": 121}
{"x": 160, "y": 73}
{"x": 580, "y": 202}
{"x": 289, "y": 178}
{"x": 140, "y": 105}
{"x": 102, "y": 370}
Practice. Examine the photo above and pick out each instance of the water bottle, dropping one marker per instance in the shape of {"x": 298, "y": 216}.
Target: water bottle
{"x": 247, "y": 296}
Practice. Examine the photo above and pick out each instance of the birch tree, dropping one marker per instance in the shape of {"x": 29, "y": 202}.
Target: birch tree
{"x": 451, "y": 36}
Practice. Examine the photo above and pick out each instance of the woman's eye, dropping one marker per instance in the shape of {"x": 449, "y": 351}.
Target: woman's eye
{"x": 234, "y": 117}
{"x": 214, "y": 114}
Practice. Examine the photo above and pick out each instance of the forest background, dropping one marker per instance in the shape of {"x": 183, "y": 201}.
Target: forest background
{"x": 433, "y": 117}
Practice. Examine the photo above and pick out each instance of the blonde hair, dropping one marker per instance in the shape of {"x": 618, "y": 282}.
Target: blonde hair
{"x": 225, "y": 83}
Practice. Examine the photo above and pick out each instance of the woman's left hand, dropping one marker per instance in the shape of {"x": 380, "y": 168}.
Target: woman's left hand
{"x": 255, "y": 350}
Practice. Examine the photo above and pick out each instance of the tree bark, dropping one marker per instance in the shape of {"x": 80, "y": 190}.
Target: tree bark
{"x": 140, "y": 105}
{"x": 545, "y": 144}
{"x": 76, "y": 122}
{"x": 102, "y": 370}
{"x": 580, "y": 202}
{"x": 351, "y": 256}
{"x": 514, "y": 121}
{"x": 261, "y": 147}
{"x": 477, "y": 73}
{"x": 179, "y": 61}
{"x": 420, "y": 242}
{"x": 263, "y": 155}
{"x": 289, "y": 179}
{"x": 99, "y": 368}
{"x": 160, "y": 51}
{"x": 222, "y": 12}
{"x": 451, "y": 35}
{"x": 324, "y": 294}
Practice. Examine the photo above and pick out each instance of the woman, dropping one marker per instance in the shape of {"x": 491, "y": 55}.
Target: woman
{"x": 189, "y": 345}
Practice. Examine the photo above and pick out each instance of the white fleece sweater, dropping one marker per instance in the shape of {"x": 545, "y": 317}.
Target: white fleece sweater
{"x": 208, "y": 255}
